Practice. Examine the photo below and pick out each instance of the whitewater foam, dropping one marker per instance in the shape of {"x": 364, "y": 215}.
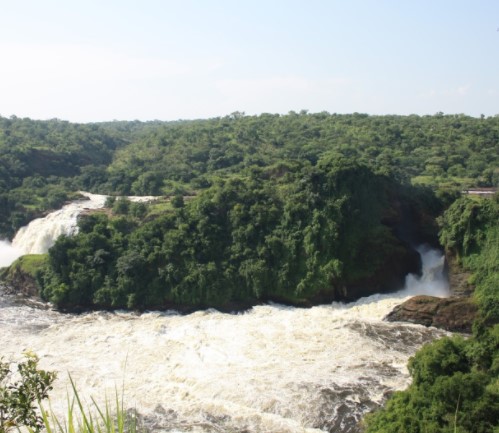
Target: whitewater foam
{"x": 8, "y": 253}
{"x": 432, "y": 280}
{"x": 268, "y": 369}
{"x": 40, "y": 234}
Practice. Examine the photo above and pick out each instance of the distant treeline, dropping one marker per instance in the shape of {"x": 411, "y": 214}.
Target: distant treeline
{"x": 42, "y": 162}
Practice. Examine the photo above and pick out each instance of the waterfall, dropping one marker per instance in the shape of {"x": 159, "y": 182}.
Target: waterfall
{"x": 40, "y": 234}
{"x": 272, "y": 368}
{"x": 432, "y": 280}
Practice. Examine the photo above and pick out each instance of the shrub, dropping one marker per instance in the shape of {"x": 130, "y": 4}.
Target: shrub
{"x": 21, "y": 394}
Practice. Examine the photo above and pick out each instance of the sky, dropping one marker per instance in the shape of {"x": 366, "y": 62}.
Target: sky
{"x": 101, "y": 60}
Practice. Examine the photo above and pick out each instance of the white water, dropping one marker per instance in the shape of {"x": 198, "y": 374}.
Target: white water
{"x": 432, "y": 281}
{"x": 8, "y": 253}
{"x": 271, "y": 369}
{"x": 274, "y": 368}
{"x": 40, "y": 234}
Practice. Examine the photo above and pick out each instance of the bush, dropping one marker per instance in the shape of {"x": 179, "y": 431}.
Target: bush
{"x": 21, "y": 394}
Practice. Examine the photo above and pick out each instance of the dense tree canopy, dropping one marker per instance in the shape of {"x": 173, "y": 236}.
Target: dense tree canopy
{"x": 292, "y": 232}
{"x": 41, "y": 162}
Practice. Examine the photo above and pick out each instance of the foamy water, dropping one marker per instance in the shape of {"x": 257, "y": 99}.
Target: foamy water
{"x": 40, "y": 234}
{"x": 432, "y": 281}
{"x": 8, "y": 253}
{"x": 273, "y": 368}
{"x": 270, "y": 369}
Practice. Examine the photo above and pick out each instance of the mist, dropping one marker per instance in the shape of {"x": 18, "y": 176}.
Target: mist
{"x": 8, "y": 253}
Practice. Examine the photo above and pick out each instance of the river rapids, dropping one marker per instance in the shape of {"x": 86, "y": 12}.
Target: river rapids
{"x": 270, "y": 369}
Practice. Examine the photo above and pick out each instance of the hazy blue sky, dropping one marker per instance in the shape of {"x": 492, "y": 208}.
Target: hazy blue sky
{"x": 102, "y": 60}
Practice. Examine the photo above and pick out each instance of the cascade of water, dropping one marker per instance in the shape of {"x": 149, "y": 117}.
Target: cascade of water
{"x": 432, "y": 280}
{"x": 40, "y": 234}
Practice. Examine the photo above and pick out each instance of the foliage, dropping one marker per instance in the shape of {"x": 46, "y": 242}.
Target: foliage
{"x": 470, "y": 230}
{"x": 21, "y": 394}
{"x": 451, "y": 392}
{"x": 41, "y": 162}
{"x": 290, "y": 232}
{"x": 95, "y": 419}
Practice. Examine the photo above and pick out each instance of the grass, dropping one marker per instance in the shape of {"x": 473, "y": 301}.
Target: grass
{"x": 29, "y": 264}
{"x": 112, "y": 418}
{"x": 443, "y": 182}
{"x": 158, "y": 207}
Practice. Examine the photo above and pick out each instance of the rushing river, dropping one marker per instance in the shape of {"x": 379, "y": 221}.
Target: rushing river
{"x": 270, "y": 369}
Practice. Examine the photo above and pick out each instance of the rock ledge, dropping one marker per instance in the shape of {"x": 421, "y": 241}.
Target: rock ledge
{"x": 455, "y": 314}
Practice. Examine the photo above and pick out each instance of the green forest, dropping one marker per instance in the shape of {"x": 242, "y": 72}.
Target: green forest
{"x": 291, "y": 232}
{"x": 42, "y": 163}
{"x": 299, "y": 208}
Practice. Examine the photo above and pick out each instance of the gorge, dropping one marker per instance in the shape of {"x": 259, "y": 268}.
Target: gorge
{"x": 271, "y": 368}
{"x": 304, "y": 209}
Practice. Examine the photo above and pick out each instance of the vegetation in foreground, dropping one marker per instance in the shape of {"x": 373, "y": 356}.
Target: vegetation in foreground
{"x": 112, "y": 418}
{"x": 23, "y": 390}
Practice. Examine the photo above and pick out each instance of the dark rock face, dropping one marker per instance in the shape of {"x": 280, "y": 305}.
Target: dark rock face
{"x": 389, "y": 277}
{"x": 454, "y": 314}
{"x": 21, "y": 283}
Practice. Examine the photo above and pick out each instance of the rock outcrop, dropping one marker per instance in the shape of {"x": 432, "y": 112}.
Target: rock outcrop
{"x": 21, "y": 283}
{"x": 454, "y": 314}
{"x": 21, "y": 276}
